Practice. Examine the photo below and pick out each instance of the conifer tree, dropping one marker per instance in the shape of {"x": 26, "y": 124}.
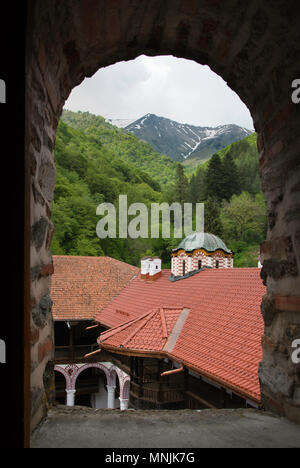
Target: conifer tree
{"x": 197, "y": 186}
{"x": 231, "y": 184}
{"x": 214, "y": 185}
{"x": 212, "y": 220}
{"x": 181, "y": 186}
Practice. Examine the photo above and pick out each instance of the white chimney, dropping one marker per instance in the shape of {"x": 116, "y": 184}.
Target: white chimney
{"x": 150, "y": 268}
{"x": 145, "y": 266}
{"x": 155, "y": 268}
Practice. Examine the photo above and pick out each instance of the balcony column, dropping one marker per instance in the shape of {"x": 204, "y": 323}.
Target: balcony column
{"x": 110, "y": 397}
{"x": 70, "y": 397}
{"x": 123, "y": 404}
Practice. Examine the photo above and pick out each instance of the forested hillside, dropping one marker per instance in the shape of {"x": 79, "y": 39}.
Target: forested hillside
{"x": 126, "y": 146}
{"x": 97, "y": 162}
{"x": 235, "y": 207}
{"x": 90, "y": 172}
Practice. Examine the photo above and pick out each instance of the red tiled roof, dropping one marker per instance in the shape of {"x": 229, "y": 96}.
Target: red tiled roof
{"x": 81, "y": 286}
{"x": 221, "y": 337}
{"x": 149, "y": 332}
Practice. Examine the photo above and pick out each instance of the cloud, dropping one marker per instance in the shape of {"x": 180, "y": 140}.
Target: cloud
{"x": 178, "y": 89}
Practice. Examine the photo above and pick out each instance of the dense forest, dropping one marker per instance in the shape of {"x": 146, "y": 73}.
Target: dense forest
{"x": 96, "y": 162}
{"x": 235, "y": 207}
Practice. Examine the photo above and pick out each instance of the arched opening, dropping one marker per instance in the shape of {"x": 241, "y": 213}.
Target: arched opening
{"x": 247, "y": 50}
{"x": 126, "y": 388}
{"x": 91, "y": 389}
{"x": 60, "y": 388}
{"x": 115, "y": 388}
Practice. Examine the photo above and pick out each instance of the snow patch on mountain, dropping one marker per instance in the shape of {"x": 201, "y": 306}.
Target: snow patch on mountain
{"x": 120, "y": 123}
{"x": 182, "y": 141}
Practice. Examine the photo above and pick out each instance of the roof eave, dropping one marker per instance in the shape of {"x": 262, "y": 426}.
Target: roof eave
{"x": 163, "y": 354}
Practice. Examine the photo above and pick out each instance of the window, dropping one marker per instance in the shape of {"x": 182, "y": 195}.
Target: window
{"x": 217, "y": 264}
{"x": 199, "y": 264}
{"x": 183, "y": 268}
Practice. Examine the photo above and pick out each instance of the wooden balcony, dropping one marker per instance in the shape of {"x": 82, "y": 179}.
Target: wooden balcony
{"x": 73, "y": 354}
{"x": 156, "y": 396}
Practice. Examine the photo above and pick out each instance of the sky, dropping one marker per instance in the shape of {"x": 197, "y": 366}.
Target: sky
{"x": 178, "y": 89}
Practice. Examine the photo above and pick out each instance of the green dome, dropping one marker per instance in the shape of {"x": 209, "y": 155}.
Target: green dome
{"x": 202, "y": 240}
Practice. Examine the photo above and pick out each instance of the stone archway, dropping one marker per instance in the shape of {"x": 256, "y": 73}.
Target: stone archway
{"x": 254, "y": 47}
{"x": 124, "y": 381}
{"x": 71, "y": 372}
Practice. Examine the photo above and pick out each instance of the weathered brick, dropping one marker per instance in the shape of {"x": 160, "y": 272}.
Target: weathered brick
{"x": 34, "y": 336}
{"x": 274, "y": 150}
{"x": 44, "y": 349}
{"x": 288, "y": 303}
{"x": 71, "y": 40}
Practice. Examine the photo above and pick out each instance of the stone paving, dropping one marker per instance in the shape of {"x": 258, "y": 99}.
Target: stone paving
{"x": 80, "y": 427}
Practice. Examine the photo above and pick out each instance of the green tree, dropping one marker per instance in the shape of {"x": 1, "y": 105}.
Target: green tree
{"x": 230, "y": 182}
{"x": 244, "y": 217}
{"x": 181, "y": 190}
{"x": 197, "y": 185}
{"x": 214, "y": 178}
{"x": 212, "y": 220}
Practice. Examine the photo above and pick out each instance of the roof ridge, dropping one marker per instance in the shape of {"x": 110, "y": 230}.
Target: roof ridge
{"x": 176, "y": 330}
{"x": 163, "y": 323}
{"x": 124, "y": 325}
{"x": 113, "y": 331}
{"x": 146, "y": 320}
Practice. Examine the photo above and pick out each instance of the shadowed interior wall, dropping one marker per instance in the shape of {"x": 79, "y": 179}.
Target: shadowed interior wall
{"x": 254, "y": 47}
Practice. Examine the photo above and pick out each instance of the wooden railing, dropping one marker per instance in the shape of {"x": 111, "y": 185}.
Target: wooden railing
{"x": 155, "y": 394}
{"x": 71, "y": 354}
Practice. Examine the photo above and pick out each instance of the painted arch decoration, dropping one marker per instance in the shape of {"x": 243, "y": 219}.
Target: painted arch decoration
{"x": 71, "y": 373}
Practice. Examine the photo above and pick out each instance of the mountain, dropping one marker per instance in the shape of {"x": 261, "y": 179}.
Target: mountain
{"x": 183, "y": 142}
{"x": 97, "y": 162}
{"x": 125, "y": 146}
{"x": 120, "y": 123}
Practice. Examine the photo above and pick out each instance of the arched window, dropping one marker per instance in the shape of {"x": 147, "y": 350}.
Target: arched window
{"x": 199, "y": 264}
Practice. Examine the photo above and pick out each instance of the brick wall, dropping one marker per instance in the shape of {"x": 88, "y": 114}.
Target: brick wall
{"x": 192, "y": 262}
{"x": 254, "y": 46}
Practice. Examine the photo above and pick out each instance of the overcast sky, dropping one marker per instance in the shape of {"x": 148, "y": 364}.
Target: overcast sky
{"x": 178, "y": 89}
